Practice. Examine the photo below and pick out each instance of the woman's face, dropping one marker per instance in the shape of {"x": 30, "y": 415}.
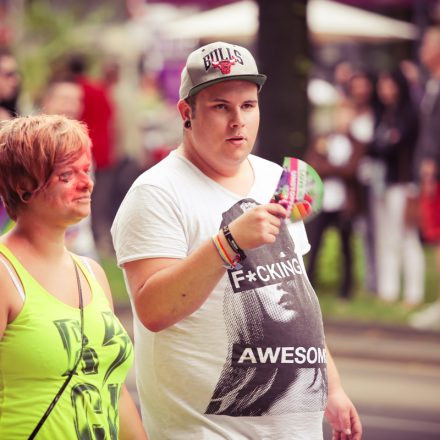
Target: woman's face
{"x": 387, "y": 90}
{"x": 67, "y": 197}
{"x": 278, "y": 302}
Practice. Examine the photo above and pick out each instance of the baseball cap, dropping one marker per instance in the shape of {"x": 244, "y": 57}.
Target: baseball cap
{"x": 218, "y": 62}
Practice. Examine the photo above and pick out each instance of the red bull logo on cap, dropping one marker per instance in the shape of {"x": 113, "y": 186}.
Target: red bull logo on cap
{"x": 222, "y": 58}
{"x": 224, "y": 65}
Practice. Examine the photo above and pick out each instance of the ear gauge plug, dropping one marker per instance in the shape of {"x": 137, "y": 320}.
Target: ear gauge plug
{"x": 26, "y": 196}
{"x": 187, "y": 124}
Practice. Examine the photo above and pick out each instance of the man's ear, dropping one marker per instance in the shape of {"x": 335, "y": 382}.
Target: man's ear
{"x": 184, "y": 110}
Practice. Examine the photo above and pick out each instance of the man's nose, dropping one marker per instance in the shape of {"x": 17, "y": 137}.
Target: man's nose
{"x": 237, "y": 119}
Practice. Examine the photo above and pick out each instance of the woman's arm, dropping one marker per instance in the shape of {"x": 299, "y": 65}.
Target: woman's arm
{"x": 130, "y": 424}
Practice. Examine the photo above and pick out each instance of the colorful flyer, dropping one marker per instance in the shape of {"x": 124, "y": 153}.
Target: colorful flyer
{"x": 299, "y": 190}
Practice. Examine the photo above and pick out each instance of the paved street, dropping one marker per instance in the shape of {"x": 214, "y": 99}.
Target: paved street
{"x": 396, "y": 401}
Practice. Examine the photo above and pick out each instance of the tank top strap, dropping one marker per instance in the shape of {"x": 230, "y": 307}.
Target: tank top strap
{"x": 13, "y": 276}
{"x": 86, "y": 269}
{"x": 87, "y": 265}
{"x": 21, "y": 275}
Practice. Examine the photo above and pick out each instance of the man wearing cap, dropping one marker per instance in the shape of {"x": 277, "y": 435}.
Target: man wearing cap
{"x": 228, "y": 330}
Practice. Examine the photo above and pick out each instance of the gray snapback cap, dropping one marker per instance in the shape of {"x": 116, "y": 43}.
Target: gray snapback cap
{"x": 218, "y": 62}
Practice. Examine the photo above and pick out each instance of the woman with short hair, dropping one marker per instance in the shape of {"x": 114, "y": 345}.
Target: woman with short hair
{"x": 64, "y": 355}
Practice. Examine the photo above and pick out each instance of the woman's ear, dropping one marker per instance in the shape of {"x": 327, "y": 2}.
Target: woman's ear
{"x": 24, "y": 195}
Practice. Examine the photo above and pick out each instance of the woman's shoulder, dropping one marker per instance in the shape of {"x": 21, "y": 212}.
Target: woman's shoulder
{"x": 12, "y": 294}
{"x": 97, "y": 272}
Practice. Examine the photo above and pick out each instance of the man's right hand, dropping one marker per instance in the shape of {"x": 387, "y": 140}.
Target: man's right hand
{"x": 258, "y": 226}
{"x": 166, "y": 290}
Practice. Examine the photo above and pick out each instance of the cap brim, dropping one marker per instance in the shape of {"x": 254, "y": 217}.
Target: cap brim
{"x": 259, "y": 80}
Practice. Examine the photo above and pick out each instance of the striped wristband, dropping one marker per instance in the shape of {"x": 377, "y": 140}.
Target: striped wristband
{"x": 234, "y": 246}
{"x": 229, "y": 263}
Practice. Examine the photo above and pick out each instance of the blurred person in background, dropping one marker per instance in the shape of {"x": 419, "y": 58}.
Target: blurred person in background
{"x": 124, "y": 90}
{"x": 9, "y": 91}
{"x": 64, "y": 97}
{"x": 9, "y": 84}
{"x": 361, "y": 100}
{"x": 336, "y": 157}
{"x": 394, "y": 201}
{"x": 428, "y": 152}
{"x": 64, "y": 354}
{"x": 414, "y": 77}
{"x": 342, "y": 74}
{"x": 99, "y": 114}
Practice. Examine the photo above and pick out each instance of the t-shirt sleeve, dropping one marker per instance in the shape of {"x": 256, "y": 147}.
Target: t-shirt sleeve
{"x": 298, "y": 233}
{"x": 148, "y": 225}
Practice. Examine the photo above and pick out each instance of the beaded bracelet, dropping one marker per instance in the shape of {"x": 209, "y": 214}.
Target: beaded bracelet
{"x": 234, "y": 246}
{"x": 228, "y": 262}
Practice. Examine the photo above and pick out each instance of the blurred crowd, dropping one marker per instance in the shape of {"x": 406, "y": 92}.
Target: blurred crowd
{"x": 379, "y": 161}
{"x": 380, "y": 167}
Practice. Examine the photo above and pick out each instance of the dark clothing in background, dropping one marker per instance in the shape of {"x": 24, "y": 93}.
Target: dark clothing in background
{"x": 394, "y": 143}
{"x": 98, "y": 114}
{"x": 428, "y": 146}
{"x": 344, "y": 171}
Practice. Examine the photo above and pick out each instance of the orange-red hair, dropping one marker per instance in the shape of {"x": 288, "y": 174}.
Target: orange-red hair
{"x": 32, "y": 148}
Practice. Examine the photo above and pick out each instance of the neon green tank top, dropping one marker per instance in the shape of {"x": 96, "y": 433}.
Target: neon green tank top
{"x": 41, "y": 345}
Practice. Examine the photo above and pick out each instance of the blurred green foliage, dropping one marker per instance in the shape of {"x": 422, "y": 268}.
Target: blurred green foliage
{"x": 116, "y": 281}
{"x": 364, "y": 306}
{"x": 46, "y": 33}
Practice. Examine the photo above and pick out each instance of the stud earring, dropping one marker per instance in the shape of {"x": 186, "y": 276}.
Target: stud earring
{"x": 187, "y": 124}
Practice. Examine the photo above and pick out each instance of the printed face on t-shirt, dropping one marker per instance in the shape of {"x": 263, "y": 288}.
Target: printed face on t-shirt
{"x": 278, "y": 302}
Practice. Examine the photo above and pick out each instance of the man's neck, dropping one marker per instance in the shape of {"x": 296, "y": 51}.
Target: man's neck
{"x": 238, "y": 179}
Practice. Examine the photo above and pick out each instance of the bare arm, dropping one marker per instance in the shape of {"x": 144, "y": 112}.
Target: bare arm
{"x": 167, "y": 290}
{"x": 130, "y": 423}
{"x": 340, "y": 411}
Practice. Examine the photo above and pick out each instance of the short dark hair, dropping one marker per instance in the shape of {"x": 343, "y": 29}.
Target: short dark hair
{"x": 5, "y": 52}
{"x": 191, "y": 101}
{"x": 77, "y": 64}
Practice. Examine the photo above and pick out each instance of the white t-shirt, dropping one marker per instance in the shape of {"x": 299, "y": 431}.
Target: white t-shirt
{"x": 250, "y": 363}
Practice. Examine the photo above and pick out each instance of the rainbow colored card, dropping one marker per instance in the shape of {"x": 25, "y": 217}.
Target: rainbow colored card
{"x": 299, "y": 190}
